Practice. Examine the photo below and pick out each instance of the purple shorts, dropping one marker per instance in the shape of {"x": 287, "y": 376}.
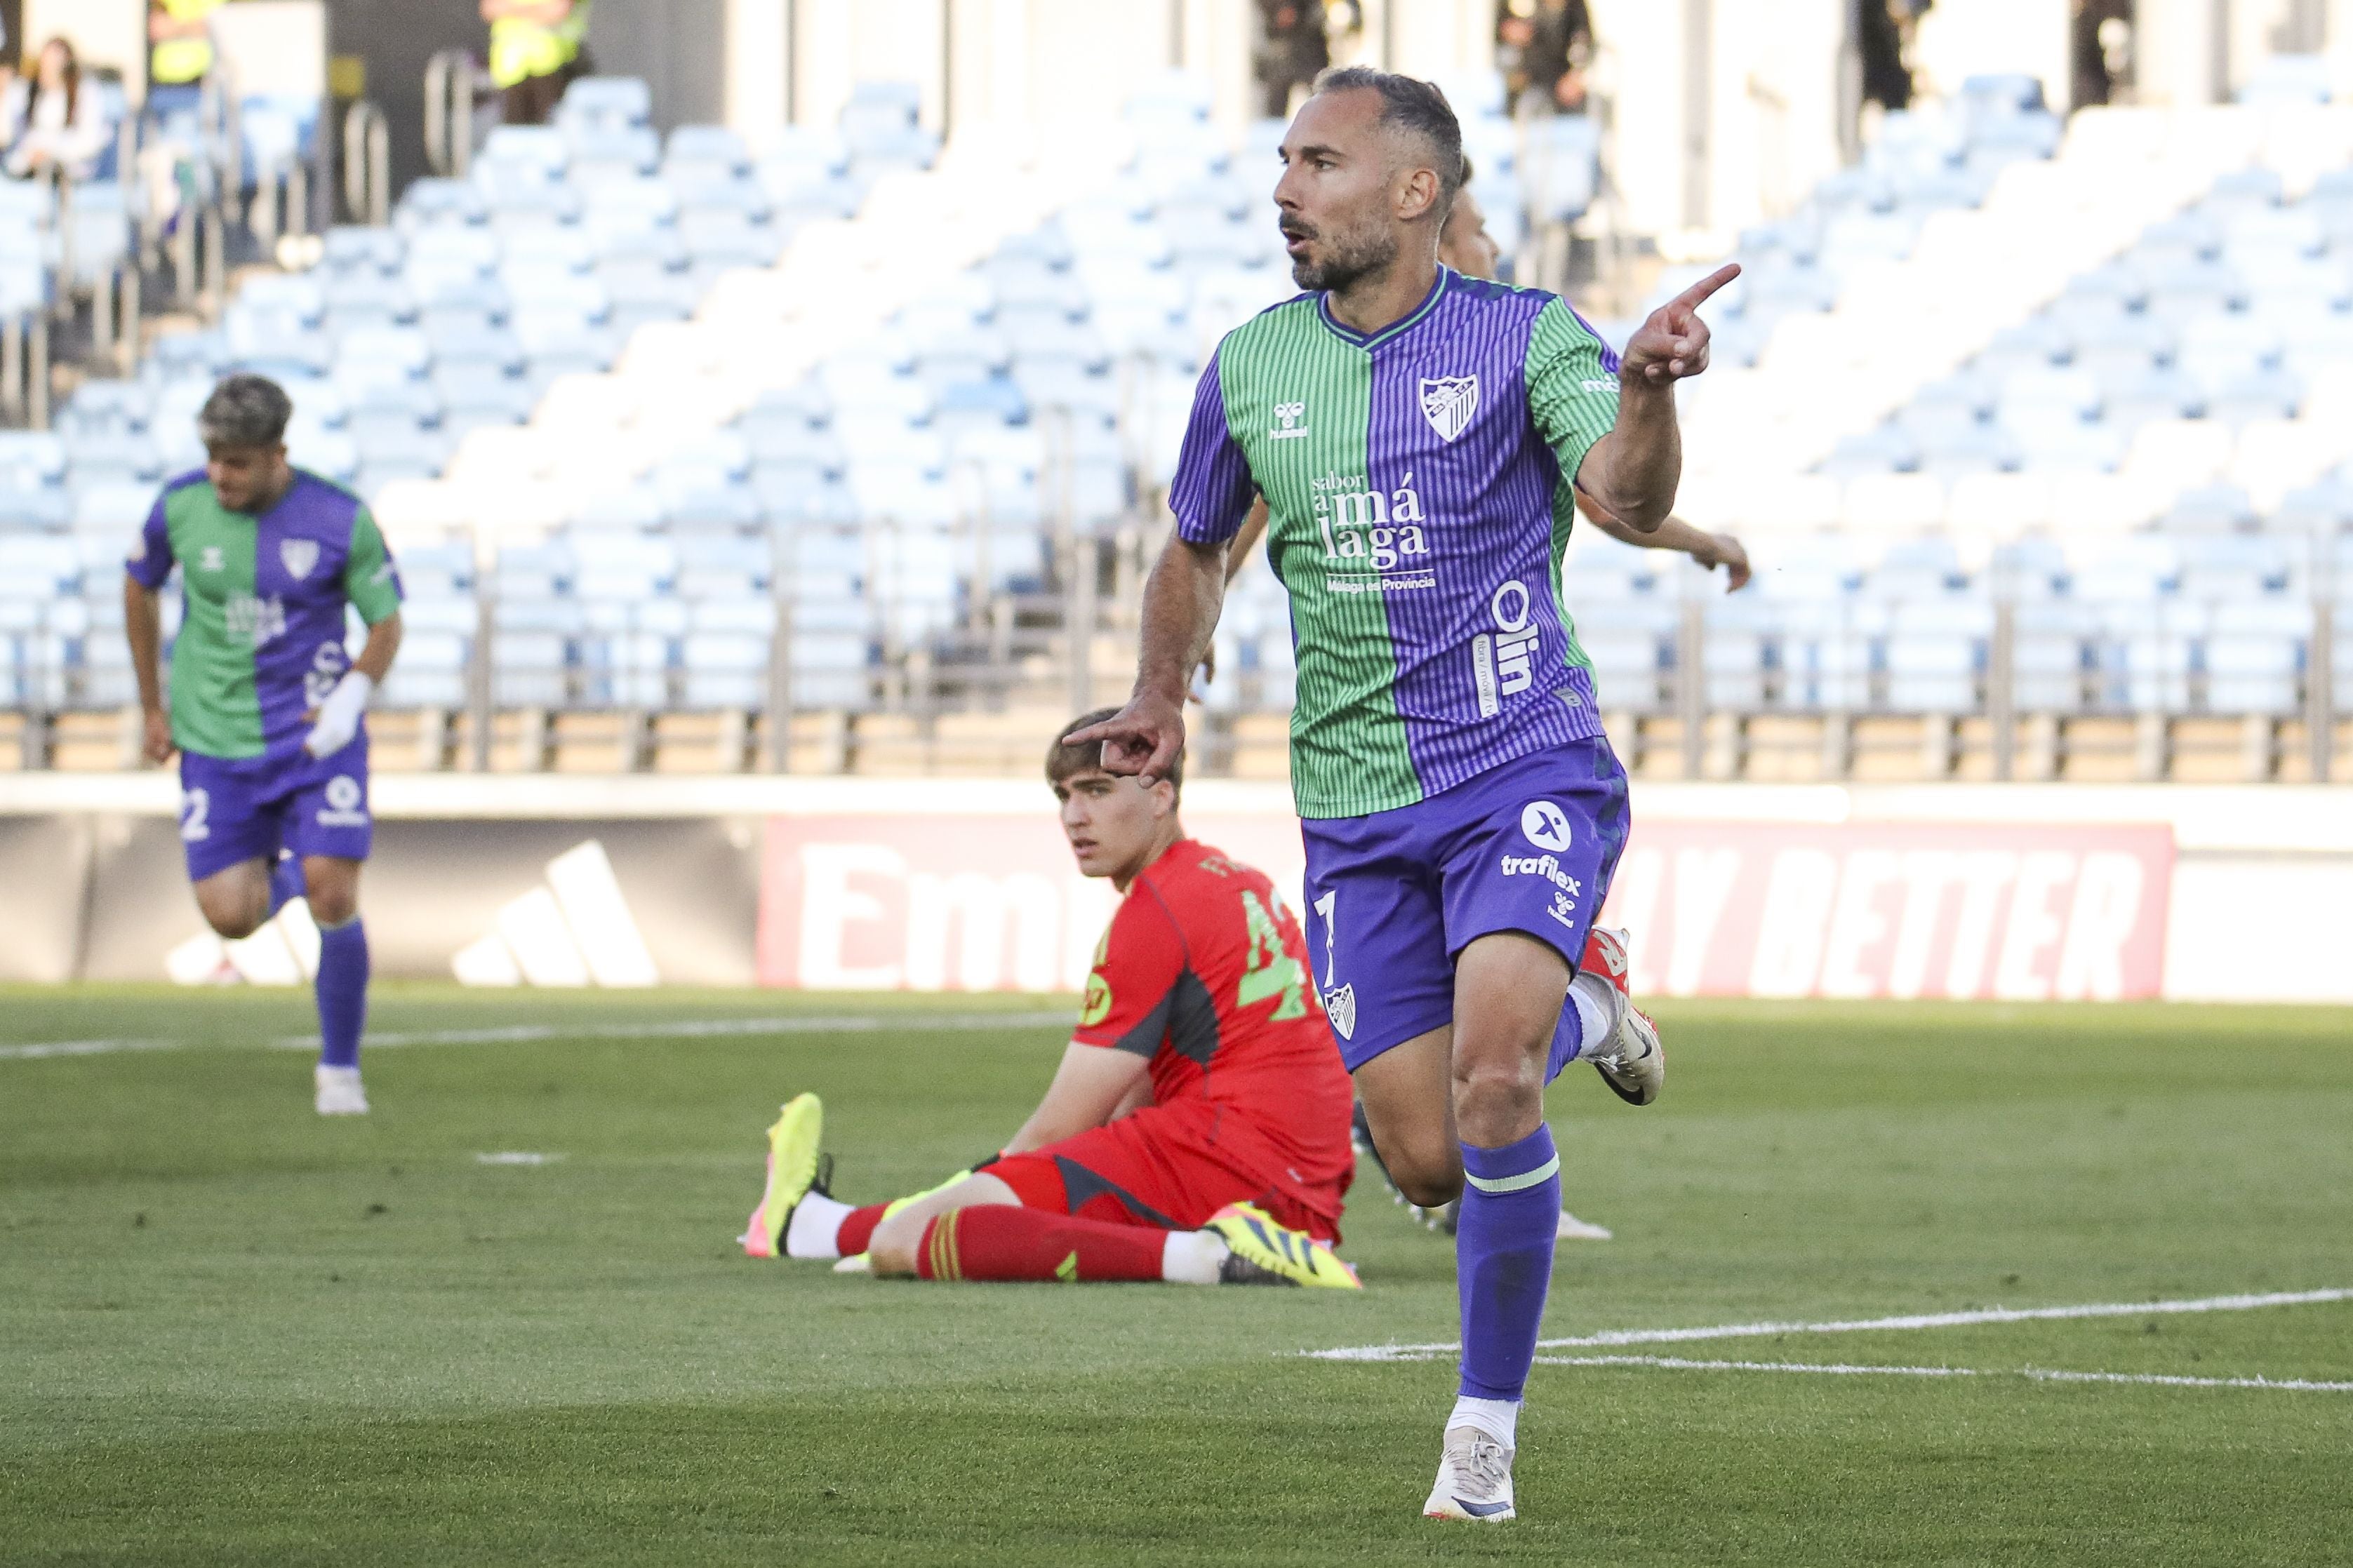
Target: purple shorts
{"x": 1393, "y": 898}
{"x": 249, "y": 808}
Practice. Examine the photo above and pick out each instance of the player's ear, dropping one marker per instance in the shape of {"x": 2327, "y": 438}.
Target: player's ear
{"x": 1417, "y": 193}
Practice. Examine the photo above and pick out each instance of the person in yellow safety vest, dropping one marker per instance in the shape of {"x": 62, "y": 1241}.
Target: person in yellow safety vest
{"x": 537, "y": 47}
{"x": 180, "y": 51}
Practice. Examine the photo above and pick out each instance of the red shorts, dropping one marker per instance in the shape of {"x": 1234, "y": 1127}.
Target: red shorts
{"x": 1172, "y": 1166}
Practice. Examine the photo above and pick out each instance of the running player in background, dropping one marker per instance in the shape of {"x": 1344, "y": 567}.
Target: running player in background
{"x": 266, "y": 703}
{"x": 1420, "y": 437}
{"x": 1197, "y": 1131}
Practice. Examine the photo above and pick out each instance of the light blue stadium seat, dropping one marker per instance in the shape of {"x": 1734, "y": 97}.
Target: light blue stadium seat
{"x": 706, "y": 147}
{"x": 462, "y": 338}
{"x": 38, "y": 566}
{"x": 430, "y": 203}
{"x": 366, "y": 298}
{"x": 1935, "y": 654}
{"x": 350, "y": 248}
{"x": 479, "y": 393}
{"x": 31, "y": 458}
{"x": 437, "y": 257}
{"x": 1888, "y": 449}
{"x": 718, "y": 239}
{"x": 117, "y": 509}
{"x": 2256, "y": 395}
{"x": 908, "y": 494}
{"x": 115, "y": 456}
{"x": 34, "y": 509}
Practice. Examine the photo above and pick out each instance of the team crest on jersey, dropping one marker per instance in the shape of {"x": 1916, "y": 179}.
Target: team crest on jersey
{"x": 1449, "y": 402}
{"x": 1340, "y": 1007}
{"x": 299, "y": 556}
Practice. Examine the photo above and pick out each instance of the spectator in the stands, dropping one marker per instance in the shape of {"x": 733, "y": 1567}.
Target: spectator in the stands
{"x": 53, "y": 123}
{"x": 1295, "y": 46}
{"x": 537, "y": 47}
{"x": 1882, "y": 30}
{"x": 180, "y": 52}
{"x": 1544, "y": 47}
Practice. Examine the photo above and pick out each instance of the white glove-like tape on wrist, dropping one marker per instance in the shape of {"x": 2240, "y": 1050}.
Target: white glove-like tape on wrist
{"x": 339, "y": 715}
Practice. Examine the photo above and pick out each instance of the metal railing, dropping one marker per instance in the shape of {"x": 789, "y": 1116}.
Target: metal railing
{"x": 367, "y": 164}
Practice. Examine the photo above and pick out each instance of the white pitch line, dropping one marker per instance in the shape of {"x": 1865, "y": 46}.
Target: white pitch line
{"x": 83, "y": 1048}
{"x": 670, "y": 1030}
{"x": 2243, "y": 1303}
{"x": 2036, "y": 1374}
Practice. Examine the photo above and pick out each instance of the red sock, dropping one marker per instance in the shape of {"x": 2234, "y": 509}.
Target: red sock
{"x": 858, "y": 1229}
{"x": 997, "y": 1241}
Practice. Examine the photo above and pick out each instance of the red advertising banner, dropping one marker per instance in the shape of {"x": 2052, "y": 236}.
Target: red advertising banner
{"x": 1715, "y": 908}
{"x": 955, "y": 903}
{"x": 1902, "y": 910}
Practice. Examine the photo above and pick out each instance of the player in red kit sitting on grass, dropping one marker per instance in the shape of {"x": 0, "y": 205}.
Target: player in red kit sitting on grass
{"x": 1197, "y": 1131}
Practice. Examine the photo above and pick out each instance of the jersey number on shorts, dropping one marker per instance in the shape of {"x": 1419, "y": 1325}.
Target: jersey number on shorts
{"x": 196, "y": 806}
{"x": 1270, "y": 971}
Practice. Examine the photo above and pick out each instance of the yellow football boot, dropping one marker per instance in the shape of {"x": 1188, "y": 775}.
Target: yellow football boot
{"x": 792, "y": 1173}
{"x": 1261, "y": 1252}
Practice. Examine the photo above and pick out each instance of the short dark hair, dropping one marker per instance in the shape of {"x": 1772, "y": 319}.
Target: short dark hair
{"x": 1063, "y": 759}
{"x": 1415, "y": 105}
{"x": 245, "y": 411}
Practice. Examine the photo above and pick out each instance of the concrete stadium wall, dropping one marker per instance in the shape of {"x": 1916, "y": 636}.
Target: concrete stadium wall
{"x": 2017, "y": 894}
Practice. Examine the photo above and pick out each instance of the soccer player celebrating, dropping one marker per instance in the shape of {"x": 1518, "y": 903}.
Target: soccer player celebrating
{"x": 1197, "y": 1131}
{"x": 266, "y": 703}
{"x": 1420, "y": 437}
{"x": 1465, "y": 245}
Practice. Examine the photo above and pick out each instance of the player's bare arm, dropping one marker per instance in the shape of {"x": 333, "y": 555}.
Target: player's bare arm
{"x": 1182, "y": 599}
{"x": 1253, "y": 529}
{"x": 143, "y": 627}
{"x": 1710, "y": 549}
{"x": 1634, "y": 470}
{"x": 1088, "y": 1091}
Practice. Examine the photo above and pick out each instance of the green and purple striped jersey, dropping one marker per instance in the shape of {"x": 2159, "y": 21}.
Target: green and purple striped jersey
{"x": 1419, "y": 485}
{"x": 262, "y": 641}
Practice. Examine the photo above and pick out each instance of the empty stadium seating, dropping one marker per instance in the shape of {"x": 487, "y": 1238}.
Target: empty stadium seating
{"x": 2020, "y": 418}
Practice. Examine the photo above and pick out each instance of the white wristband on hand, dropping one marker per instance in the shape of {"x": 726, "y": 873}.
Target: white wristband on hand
{"x": 339, "y": 715}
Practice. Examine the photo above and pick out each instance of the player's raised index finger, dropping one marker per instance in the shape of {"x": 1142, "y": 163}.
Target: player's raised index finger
{"x": 1691, "y": 298}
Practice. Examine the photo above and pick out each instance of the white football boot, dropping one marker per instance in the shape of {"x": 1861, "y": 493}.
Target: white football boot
{"x": 1474, "y": 1479}
{"x": 338, "y": 1092}
{"x": 1630, "y": 1061}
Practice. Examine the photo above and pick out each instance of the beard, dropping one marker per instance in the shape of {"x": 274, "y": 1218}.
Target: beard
{"x": 1346, "y": 258}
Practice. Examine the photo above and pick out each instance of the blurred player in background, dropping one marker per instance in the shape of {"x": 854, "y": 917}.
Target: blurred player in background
{"x": 1197, "y": 1131}
{"x": 1465, "y": 245}
{"x": 265, "y": 705}
{"x": 1418, "y": 437}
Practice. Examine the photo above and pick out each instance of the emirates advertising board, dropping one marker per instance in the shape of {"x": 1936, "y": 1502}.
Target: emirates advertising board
{"x": 1715, "y": 908}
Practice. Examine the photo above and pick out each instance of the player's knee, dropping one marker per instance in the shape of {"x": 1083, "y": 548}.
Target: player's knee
{"x": 1494, "y": 1092}
{"x": 1428, "y": 1170}
{"x": 893, "y": 1247}
{"x": 232, "y": 924}
{"x": 332, "y": 905}
{"x": 234, "y": 911}
{"x": 1432, "y": 1182}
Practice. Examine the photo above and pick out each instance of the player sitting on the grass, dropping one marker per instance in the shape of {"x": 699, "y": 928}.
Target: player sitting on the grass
{"x": 1197, "y": 1131}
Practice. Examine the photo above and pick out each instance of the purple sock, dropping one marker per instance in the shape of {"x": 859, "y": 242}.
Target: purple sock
{"x": 285, "y": 882}
{"x": 1502, "y": 1260}
{"x": 343, "y": 993}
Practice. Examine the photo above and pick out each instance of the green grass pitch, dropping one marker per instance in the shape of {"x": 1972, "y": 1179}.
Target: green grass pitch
{"x": 231, "y": 1332}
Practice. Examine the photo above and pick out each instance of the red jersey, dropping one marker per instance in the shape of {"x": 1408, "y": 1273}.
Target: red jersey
{"x": 1204, "y": 973}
